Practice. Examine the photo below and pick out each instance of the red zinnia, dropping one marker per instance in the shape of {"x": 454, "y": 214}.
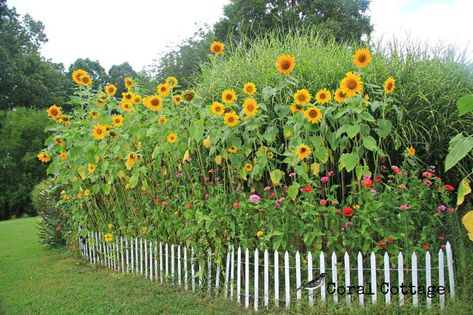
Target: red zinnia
{"x": 390, "y": 239}
{"x": 189, "y": 205}
{"x": 381, "y": 244}
{"x": 348, "y": 212}
{"x": 236, "y": 205}
{"x": 306, "y": 189}
{"x": 425, "y": 246}
{"x": 58, "y": 228}
{"x": 377, "y": 179}
{"x": 367, "y": 183}
{"x": 449, "y": 187}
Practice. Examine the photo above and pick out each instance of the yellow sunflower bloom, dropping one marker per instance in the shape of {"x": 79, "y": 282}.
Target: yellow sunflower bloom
{"x": 117, "y": 120}
{"x": 411, "y": 151}
{"x": 389, "y": 85}
{"x": 177, "y": 99}
{"x": 86, "y": 80}
{"x": 248, "y": 167}
{"x": 171, "y": 81}
{"x": 111, "y": 89}
{"x": 217, "y": 108}
{"x": 218, "y": 159}
{"x": 340, "y": 96}
{"x": 78, "y": 74}
{"x": 285, "y": 64}
{"x": 351, "y": 84}
{"x": 250, "y": 107}
{"x": 125, "y": 107}
{"x": 59, "y": 141}
{"x": 108, "y": 237}
{"x": 297, "y": 108}
{"x": 270, "y": 155}
{"x": 132, "y": 158}
{"x": 163, "y": 89}
{"x": 162, "y": 120}
{"x": 233, "y": 149}
{"x": 94, "y": 114}
{"x": 155, "y": 103}
{"x": 172, "y": 137}
{"x": 259, "y": 233}
{"x": 217, "y": 47}
{"x": 362, "y": 57}
{"x": 231, "y": 119}
{"x": 65, "y": 120}
{"x": 54, "y": 112}
{"x": 90, "y": 168}
{"x": 229, "y": 96}
{"x": 303, "y": 151}
{"x": 128, "y": 83}
{"x": 313, "y": 114}
{"x": 44, "y": 157}
{"x": 136, "y": 99}
{"x": 302, "y": 97}
{"x": 323, "y": 96}
{"x": 64, "y": 156}
{"x": 99, "y": 132}
{"x": 207, "y": 143}
{"x": 249, "y": 88}
{"x": 127, "y": 97}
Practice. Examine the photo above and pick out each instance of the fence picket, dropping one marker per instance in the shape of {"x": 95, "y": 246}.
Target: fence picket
{"x": 373, "y": 278}
{"x": 298, "y": 275}
{"x": 201, "y": 274}
{"x": 172, "y": 263}
{"x": 127, "y": 255}
{"x": 141, "y": 256}
{"x": 239, "y": 275}
{"x": 400, "y": 272}
{"x": 161, "y": 262}
{"x": 387, "y": 278}
{"x": 287, "y": 279}
{"x": 310, "y": 273}
{"x": 185, "y": 268}
{"x": 166, "y": 260}
{"x": 232, "y": 272}
{"x": 227, "y": 272}
{"x": 256, "y": 280}
{"x": 132, "y": 256}
{"x": 361, "y": 297}
{"x": 146, "y": 260}
{"x": 179, "y": 265}
{"x": 136, "y": 255}
{"x": 346, "y": 259}
{"x": 192, "y": 269}
{"x": 217, "y": 279}
{"x": 247, "y": 278}
{"x": 209, "y": 270}
{"x": 117, "y": 257}
{"x": 415, "y": 297}
{"x": 122, "y": 254}
{"x": 451, "y": 279}
{"x": 276, "y": 278}
{"x": 441, "y": 279}
{"x": 322, "y": 270}
{"x": 156, "y": 260}
{"x": 266, "y": 278}
{"x": 334, "y": 277}
{"x": 428, "y": 277}
{"x": 150, "y": 260}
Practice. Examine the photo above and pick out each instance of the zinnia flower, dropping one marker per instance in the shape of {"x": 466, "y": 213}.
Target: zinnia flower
{"x": 324, "y": 179}
{"x": 306, "y": 189}
{"x": 259, "y": 233}
{"x": 255, "y": 198}
{"x": 348, "y": 212}
{"x": 405, "y": 207}
{"x": 449, "y": 187}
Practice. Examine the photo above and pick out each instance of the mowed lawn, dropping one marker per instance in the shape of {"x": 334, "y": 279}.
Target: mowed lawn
{"x": 36, "y": 280}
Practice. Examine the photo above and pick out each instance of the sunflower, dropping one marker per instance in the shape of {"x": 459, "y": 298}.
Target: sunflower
{"x": 43, "y": 156}
{"x": 323, "y": 96}
{"x": 99, "y": 132}
{"x": 188, "y": 95}
{"x": 86, "y": 80}
{"x": 362, "y": 57}
{"x": 127, "y": 97}
{"x": 296, "y": 108}
{"x": 154, "y": 103}
{"x": 248, "y": 167}
{"x": 163, "y": 89}
{"x": 136, "y": 99}
{"x": 302, "y": 97}
{"x": 125, "y": 107}
{"x": 218, "y": 159}
{"x": 250, "y": 106}
{"x": 162, "y": 120}
{"x": 285, "y": 64}
{"x": 172, "y": 137}
{"x": 217, "y": 108}
{"x": 177, "y": 99}
{"x": 86, "y": 192}
{"x": 65, "y": 120}
{"x": 171, "y": 81}
{"x": 351, "y": 84}
{"x": 229, "y": 96}
{"x": 63, "y": 156}
{"x": 313, "y": 114}
{"x": 94, "y": 114}
{"x": 303, "y": 151}
{"x": 78, "y": 74}
{"x": 90, "y": 168}
{"x": 207, "y": 142}
{"x": 249, "y": 88}
{"x": 389, "y": 85}
{"x": 128, "y": 83}
{"x": 233, "y": 149}
{"x": 111, "y": 89}
{"x": 101, "y": 100}
{"x": 54, "y": 111}
{"x": 230, "y": 119}
{"x": 59, "y": 141}
{"x": 117, "y": 120}
{"x": 108, "y": 237}
{"x": 132, "y": 158}
{"x": 270, "y": 155}
{"x": 340, "y": 96}
{"x": 217, "y": 47}
{"x": 411, "y": 151}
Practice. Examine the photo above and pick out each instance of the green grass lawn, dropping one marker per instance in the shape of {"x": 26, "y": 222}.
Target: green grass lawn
{"x": 36, "y": 280}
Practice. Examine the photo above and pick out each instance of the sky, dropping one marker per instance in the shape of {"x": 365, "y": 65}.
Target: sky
{"x": 139, "y": 31}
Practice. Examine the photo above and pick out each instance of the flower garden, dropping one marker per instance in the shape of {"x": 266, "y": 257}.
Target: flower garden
{"x": 280, "y": 166}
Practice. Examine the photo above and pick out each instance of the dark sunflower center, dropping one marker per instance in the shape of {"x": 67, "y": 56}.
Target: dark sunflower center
{"x": 228, "y": 97}
{"x": 54, "y": 112}
{"x": 154, "y": 102}
{"x": 285, "y": 64}
{"x": 362, "y": 58}
{"x": 390, "y": 86}
{"x": 351, "y": 84}
{"x": 322, "y": 96}
{"x": 163, "y": 89}
{"x": 99, "y": 131}
{"x": 250, "y": 107}
{"x": 218, "y": 109}
{"x": 301, "y": 97}
{"x": 313, "y": 113}
{"x": 231, "y": 119}
{"x": 303, "y": 150}
{"x": 217, "y": 48}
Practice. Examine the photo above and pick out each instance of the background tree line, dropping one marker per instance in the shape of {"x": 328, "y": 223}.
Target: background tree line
{"x": 29, "y": 83}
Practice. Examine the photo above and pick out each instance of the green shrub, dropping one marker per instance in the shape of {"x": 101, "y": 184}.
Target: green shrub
{"x": 53, "y": 225}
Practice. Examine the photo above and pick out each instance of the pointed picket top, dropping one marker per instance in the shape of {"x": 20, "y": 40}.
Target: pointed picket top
{"x": 310, "y": 276}
{"x": 451, "y": 278}
{"x": 400, "y": 273}
{"x": 322, "y": 270}
{"x": 428, "y": 277}
{"x": 247, "y": 278}
{"x": 287, "y": 279}
{"x": 298, "y": 275}
{"x": 256, "y": 280}
{"x": 239, "y": 275}
{"x": 266, "y": 278}
{"x": 232, "y": 271}
{"x": 415, "y": 284}
{"x": 346, "y": 260}
{"x": 334, "y": 276}
{"x": 359, "y": 258}
{"x": 374, "y": 289}
{"x": 276, "y": 278}
{"x": 441, "y": 278}
{"x": 387, "y": 278}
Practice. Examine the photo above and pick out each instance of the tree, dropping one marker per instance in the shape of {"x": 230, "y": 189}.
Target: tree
{"x": 343, "y": 19}
{"x": 95, "y": 70}
{"x": 26, "y": 79}
{"x": 21, "y": 138}
{"x": 118, "y": 73}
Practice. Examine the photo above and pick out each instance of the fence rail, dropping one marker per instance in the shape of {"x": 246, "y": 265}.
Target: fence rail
{"x": 239, "y": 277}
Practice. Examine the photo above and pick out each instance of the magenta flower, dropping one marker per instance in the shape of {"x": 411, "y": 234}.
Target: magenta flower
{"x": 324, "y": 179}
{"x": 330, "y": 173}
{"x": 178, "y": 175}
{"x": 277, "y": 205}
{"x": 164, "y": 203}
{"x": 441, "y": 208}
{"x": 405, "y": 207}
{"x": 427, "y": 174}
{"x": 281, "y": 199}
{"x": 323, "y": 202}
{"x": 267, "y": 188}
{"x": 255, "y": 198}
{"x": 428, "y": 182}
{"x": 373, "y": 191}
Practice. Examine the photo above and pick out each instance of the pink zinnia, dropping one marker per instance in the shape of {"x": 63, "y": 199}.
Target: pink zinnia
{"x": 277, "y": 205}
{"x": 323, "y": 202}
{"x": 324, "y": 179}
{"x": 267, "y": 188}
{"x": 405, "y": 207}
{"x": 255, "y": 198}
{"x": 427, "y": 174}
{"x": 164, "y": 203}
{"x": 330, "y": 173}
{"x": 428, "y": 182}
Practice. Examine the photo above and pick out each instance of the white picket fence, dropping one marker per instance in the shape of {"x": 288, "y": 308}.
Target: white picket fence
{"x": 178, "y": 265}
